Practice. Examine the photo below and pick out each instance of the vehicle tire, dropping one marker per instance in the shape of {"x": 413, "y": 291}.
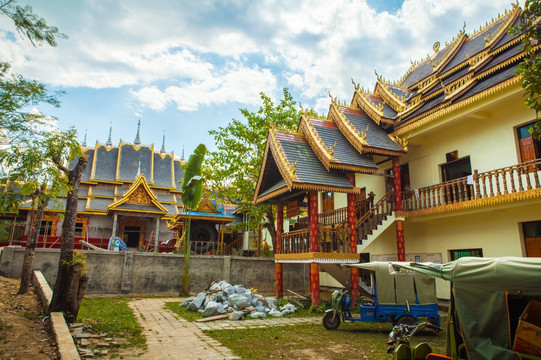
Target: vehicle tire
{"x": 331, "y": 320}
{"x": 203, "y": 237}
{"x": 406, "y": 320}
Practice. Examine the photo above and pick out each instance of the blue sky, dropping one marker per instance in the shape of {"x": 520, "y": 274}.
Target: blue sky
{"x": 187, "y": 67}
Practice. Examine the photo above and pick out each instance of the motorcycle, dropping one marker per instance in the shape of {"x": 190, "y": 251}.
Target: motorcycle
{"x": 399, "y": 342}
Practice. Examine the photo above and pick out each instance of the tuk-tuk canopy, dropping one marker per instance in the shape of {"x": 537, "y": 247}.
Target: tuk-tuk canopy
{"x": 479, "y": 288}
{"x": 399, "y": 288}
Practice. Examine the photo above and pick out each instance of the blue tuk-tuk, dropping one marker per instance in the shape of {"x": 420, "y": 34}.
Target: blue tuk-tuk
{"x": 400, "y": 298}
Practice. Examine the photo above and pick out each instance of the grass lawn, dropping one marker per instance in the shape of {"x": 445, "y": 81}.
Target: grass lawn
{"x": 351, "y": 340}
{"x": 113, "y": 317}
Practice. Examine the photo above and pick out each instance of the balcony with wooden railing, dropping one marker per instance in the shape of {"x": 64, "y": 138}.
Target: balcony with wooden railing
{"x": 329, "y": 241}
{"x": 512, "y": 183}
{"x": 338, "y": 216}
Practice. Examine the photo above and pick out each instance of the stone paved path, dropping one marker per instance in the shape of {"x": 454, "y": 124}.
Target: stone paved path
{"x": 171, "y": 337}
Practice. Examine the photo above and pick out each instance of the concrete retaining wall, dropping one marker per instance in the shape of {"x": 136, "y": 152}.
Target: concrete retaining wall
{"x": 148, "y": 273}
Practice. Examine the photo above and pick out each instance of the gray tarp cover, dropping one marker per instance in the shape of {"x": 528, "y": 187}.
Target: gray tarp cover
{"x": 479, "y": 288}
{"x": 397, "y": 288}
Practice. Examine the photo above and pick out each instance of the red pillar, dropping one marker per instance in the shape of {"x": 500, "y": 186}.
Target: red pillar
{"x": 352, "y": 223}
{"x": 279, "y": 230}
{"x": 400, "y": 249}
{"x": 314, "y": 237}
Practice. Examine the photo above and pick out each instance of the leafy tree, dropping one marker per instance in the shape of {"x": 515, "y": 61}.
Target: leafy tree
{"x": 30, "y": 175}
{"x": 29, "y": 24}
{"x": 530, "y": 67}
{"x": 192, "y": 190}
{"x": 63, "y": 149}
{"x": 231, "y": 172}
{"x": 19, "y": 127}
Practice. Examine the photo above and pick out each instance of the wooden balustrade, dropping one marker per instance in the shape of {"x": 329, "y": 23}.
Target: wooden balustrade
{"x": 507, "y": 180}
{"x": 293, "y": 242}
{"x": 329, "y": 240}
{"x": 338, "y": 216}
{"x": 334, "y": 239}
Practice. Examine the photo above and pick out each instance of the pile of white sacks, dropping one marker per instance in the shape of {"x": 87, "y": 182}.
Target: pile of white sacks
{"x": 223, "y": 297}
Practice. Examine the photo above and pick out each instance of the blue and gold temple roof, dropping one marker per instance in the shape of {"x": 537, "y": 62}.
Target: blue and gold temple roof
{"x": 465, "y": 70}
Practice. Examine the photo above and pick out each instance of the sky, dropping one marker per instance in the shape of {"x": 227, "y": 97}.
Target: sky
{"x": 186, "y": 67}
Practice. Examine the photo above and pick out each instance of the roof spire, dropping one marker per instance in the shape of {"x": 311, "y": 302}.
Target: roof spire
{"x": 84, "y": 141}
{"x": 137, "y": 140}
{"x": 162, "y": 150}
{"x": 182, "y": 157}
{"x": 110, "y": 140}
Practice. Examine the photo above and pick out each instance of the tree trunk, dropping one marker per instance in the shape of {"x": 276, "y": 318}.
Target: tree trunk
{"x": 77, "y": 283}
{"x": 60, "y": 300}
{"x": 31, "y": 242}
{"x": 269, "y": 225}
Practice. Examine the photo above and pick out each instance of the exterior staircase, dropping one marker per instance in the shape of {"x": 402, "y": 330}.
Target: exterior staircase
{"x": 369, "y": 226}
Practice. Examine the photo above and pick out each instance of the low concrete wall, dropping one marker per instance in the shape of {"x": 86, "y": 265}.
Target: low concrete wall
{"x": 148, "y": 273}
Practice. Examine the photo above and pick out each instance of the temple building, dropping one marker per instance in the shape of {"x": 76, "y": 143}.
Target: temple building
{"x": 436, "y": 165}
{"x": 129, "y": 190}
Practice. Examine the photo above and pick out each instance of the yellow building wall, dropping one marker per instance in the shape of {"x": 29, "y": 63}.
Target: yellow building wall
{"x": 497, "y": 231}
{"x": 487, "y": 135}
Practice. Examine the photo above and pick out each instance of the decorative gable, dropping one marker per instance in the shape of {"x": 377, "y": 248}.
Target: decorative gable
{"x": 138, "y": 198}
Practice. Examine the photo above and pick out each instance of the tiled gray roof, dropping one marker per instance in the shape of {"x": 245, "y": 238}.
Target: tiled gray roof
{"x": 309, "y": 169}
{"x": 60, "y": 204}
{"x": 344, "y": 152}
{"x": 134, "y": 162}
{"x": 471, "y": 47}
{"x": 507, "y": 37}
{"x": 376, "y": 137}
{"x": 99, "y": 204}
{"x": 165, "y": 197}
{"x": 101, "y": 191}
{"x": 489, "y": 81}
{"x": 163, "y": 171}
{"x": 419, "y": 73}
{"x": 170, "y": 209}
{"x": 179, "y": 175}
{"x": 105, "y": 166}
{"x": 83, "y": 192}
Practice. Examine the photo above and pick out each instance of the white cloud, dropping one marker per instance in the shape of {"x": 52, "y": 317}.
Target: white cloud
{"x": 181, "y": 52}
{"x": 237, "y": 84}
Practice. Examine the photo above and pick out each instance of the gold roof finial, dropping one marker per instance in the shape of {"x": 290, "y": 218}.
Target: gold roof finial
{"x": 294, "y": 167}
{"x": 356, "y": 86}
{"x": 436, "y": 47}
{"x": 331, "y": 149}
{"x": 333, "y": 100}
{"x": 363, "y": 134}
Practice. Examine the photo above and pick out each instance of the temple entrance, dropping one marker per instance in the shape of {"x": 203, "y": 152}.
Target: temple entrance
{"x": 131, "y": 236}
{"x": 132, "y": 231}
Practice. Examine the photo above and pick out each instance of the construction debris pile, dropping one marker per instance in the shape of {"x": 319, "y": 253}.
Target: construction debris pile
{"x": 90, "y": 344}
{"x": 223, "y": 300}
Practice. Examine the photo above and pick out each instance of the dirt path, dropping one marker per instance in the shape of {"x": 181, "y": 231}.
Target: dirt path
{"x": 23, "y": 334}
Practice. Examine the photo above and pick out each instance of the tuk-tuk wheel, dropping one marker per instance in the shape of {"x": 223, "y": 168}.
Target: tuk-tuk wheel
{"x": 406, "y": 320}
{"x": 331, "y": 320}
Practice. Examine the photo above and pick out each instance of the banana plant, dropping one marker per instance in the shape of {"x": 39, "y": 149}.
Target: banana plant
{"x": 192, "y": 190}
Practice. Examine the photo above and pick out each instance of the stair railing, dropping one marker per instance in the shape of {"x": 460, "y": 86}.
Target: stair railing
{"x": 370, "y": 220}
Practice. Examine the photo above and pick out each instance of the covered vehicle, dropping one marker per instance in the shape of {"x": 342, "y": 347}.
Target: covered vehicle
{"x": 397, "y": 298}
{"x": 488, "y": 295}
